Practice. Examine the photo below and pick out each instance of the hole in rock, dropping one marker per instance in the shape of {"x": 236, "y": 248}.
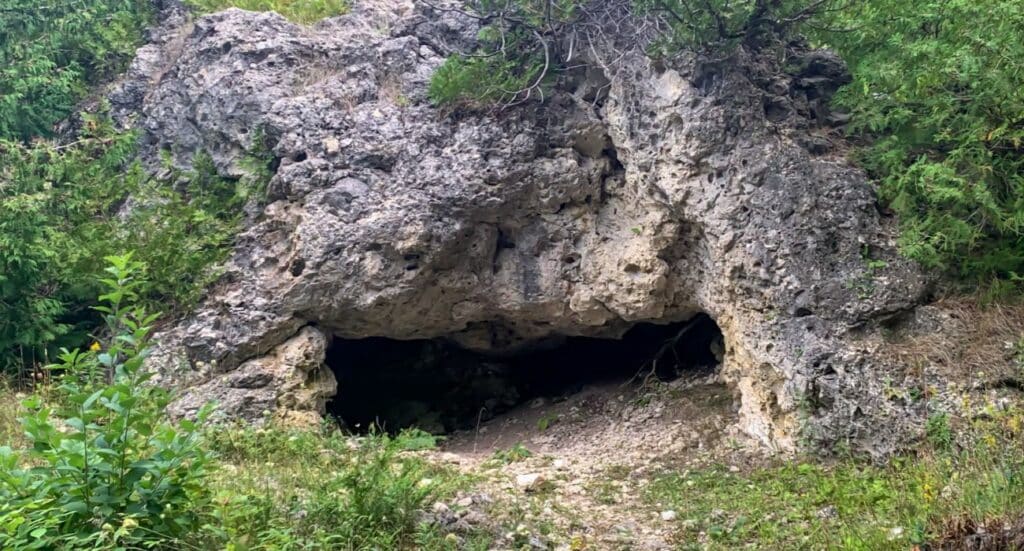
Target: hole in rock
{"x": 439, "y": 387}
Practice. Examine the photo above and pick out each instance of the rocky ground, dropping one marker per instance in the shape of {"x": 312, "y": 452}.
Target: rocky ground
{"x": 569, "y": 473}
{"x": 576, "y": 472}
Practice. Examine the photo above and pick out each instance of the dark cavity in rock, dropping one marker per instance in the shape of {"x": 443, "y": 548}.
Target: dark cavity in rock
{"x": 436, "y": 386}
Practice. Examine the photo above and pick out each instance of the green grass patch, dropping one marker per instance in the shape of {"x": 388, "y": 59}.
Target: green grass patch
{"x": 299, "y": 11}
{"x": 300, "y": 489}
{"x": 852, "y": 504}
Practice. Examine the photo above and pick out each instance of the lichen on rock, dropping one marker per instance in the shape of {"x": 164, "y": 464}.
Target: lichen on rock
{"x": 639, "y": 191}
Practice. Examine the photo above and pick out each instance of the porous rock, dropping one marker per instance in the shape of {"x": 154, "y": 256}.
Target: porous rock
{"x": 641, "y": 191}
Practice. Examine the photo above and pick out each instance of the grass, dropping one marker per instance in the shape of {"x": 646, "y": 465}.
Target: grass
{"x": 938, "y": 496}
{"x": 297, "y": 489}
{"x": 299, "y": 11}
{"x": 279, "y": 488}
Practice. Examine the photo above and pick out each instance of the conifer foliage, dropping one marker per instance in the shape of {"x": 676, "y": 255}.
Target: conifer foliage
{"x": 939, "y": 98}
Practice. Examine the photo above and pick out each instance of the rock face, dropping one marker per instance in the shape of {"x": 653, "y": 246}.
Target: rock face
{"x": 640, "y": 191}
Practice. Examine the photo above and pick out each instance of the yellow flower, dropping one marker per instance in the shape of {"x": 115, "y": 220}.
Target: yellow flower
{"x": 95, "y": 347}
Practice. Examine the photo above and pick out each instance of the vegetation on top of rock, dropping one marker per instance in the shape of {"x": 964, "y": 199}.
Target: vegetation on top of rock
{"x": 52, "y": 52}
{"x": 937, "y": 101}
{"x": 525, "y": 44}
{"x": 299, "y": 11}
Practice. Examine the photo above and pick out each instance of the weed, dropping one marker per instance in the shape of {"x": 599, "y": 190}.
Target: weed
{"x": 938, "y": 432}
{"x": 545, "y": 422}
{"x": 512, "y": 455}
{"x": 299, "y": 11}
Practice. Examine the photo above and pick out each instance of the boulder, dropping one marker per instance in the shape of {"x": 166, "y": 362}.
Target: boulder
{"x": 637, "y": 191}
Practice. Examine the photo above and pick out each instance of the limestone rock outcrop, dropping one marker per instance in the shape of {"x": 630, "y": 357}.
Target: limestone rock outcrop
{"x": 639, "y": 191}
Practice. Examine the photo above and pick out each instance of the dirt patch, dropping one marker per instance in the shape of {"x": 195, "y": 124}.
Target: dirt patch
{"x": 569, "y": 473}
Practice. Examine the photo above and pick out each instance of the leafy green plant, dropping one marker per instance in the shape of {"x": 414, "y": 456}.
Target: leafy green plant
{"x": 64, "y": 207}
{"x": 938, "y": 431}
{"x": 105, "y": 468}
{"x": 516, "y": 453}
{"x": 939, "y": 90}
{"x": 300, "y": 11}
{"x": 51, "y": 53}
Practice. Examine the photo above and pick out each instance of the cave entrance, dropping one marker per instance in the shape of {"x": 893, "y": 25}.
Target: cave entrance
{"x": 438, "y": 387}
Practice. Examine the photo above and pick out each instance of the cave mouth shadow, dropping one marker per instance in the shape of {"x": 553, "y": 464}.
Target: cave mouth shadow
{"x": 436, "y": 386}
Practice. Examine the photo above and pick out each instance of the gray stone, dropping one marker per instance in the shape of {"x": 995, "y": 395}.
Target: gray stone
{"x": 670, "y": 191}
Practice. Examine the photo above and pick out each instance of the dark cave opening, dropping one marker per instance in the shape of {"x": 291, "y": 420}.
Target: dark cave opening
{"x": 436, "y": 386}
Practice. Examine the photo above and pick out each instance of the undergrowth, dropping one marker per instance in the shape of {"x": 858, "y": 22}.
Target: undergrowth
{"x": 65, "y": 207}
{"x": 927, "y": 498}
{"x": 101, "y": 466}
{"x": 52, "y": 52}
{"x": 301, "y": 489}
{"x": 299, "y": 11}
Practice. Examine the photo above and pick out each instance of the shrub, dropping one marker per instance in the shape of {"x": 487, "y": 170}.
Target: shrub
{"x": 939, "y": 88}
{"x": 488, "y": 79}
{"x": 51, "y": 53}
{"x": 105, "y": 468}
{"x": 64, "y": 207}
{"x": 299, "y": 11}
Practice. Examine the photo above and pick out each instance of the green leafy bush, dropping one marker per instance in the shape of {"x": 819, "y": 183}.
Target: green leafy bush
{"x": 52, "y": 51}
{"x": 64, "y": 207}
{"x": 939, "y": 88}
{"x": 105, "y": 469}
{"x": 299, "y": 11}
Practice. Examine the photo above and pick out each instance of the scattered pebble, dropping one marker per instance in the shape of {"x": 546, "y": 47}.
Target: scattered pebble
{"x": 668, "y": 516}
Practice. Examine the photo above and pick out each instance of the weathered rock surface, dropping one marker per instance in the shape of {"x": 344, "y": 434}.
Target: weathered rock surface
{"x": 642, "y": 191}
